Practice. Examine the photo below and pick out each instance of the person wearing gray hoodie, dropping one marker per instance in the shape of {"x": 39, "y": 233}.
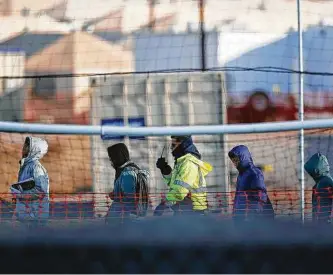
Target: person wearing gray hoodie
{"x": 319, "y": 169}
{"x": 32, "y": 200}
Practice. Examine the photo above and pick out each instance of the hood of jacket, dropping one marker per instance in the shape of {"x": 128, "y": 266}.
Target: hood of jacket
{"x": 37, "y": 149}
{"x": 317, "y": 166}
{"x": 205, "y": 167}
{"x": 118, "y": 154}
{"x": 186, "y": 147}
{"x": 244, "y": 156}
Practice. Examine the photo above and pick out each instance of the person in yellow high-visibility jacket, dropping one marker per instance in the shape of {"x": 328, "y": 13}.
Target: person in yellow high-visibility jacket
{"x": 186, "y": 181}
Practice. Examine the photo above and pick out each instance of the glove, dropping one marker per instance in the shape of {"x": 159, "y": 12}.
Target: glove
{"x": 163, "y": 166}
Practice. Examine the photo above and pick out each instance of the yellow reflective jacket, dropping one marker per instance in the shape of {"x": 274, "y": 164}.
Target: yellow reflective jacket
{"x": 188, "y": 178}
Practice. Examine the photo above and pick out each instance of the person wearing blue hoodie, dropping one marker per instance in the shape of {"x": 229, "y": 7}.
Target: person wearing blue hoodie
{"x": 251, "y": 200}
{"x": 319, "y": 169}
{"x": 124, "y": 194}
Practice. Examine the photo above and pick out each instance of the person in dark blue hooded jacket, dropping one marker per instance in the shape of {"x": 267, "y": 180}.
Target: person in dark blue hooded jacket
{"x": 251, "y": 198}
{"x": 318, "y": 168}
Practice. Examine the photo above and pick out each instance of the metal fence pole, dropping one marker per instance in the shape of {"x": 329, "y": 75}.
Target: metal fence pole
{"x": 202, "y": 34}
{"x": 301, "y": 106}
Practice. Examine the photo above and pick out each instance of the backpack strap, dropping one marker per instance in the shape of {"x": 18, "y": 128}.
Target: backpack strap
{"x": 132, "y": 165}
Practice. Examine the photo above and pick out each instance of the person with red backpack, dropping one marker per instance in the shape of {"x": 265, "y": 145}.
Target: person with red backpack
{"x": 131, "y": 190}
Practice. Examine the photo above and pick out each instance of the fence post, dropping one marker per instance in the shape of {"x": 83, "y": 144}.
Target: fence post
{"x": 202, "y": 33}
{"x": 224, "y": 142}
{"x": 301, "y": 107}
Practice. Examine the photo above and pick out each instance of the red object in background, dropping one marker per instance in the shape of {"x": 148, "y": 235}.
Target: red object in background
{"x": 264, "y": 107}
{"x": 58, "y": 109}
{"x": 261, "y": 108}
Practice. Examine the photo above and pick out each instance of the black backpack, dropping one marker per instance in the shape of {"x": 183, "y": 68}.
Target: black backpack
{"x": 142, "y": 190}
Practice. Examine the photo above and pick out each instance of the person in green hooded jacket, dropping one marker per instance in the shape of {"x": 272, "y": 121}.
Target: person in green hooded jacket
{"x": 318, "y": 168}
{"x": 186, "y": 181}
